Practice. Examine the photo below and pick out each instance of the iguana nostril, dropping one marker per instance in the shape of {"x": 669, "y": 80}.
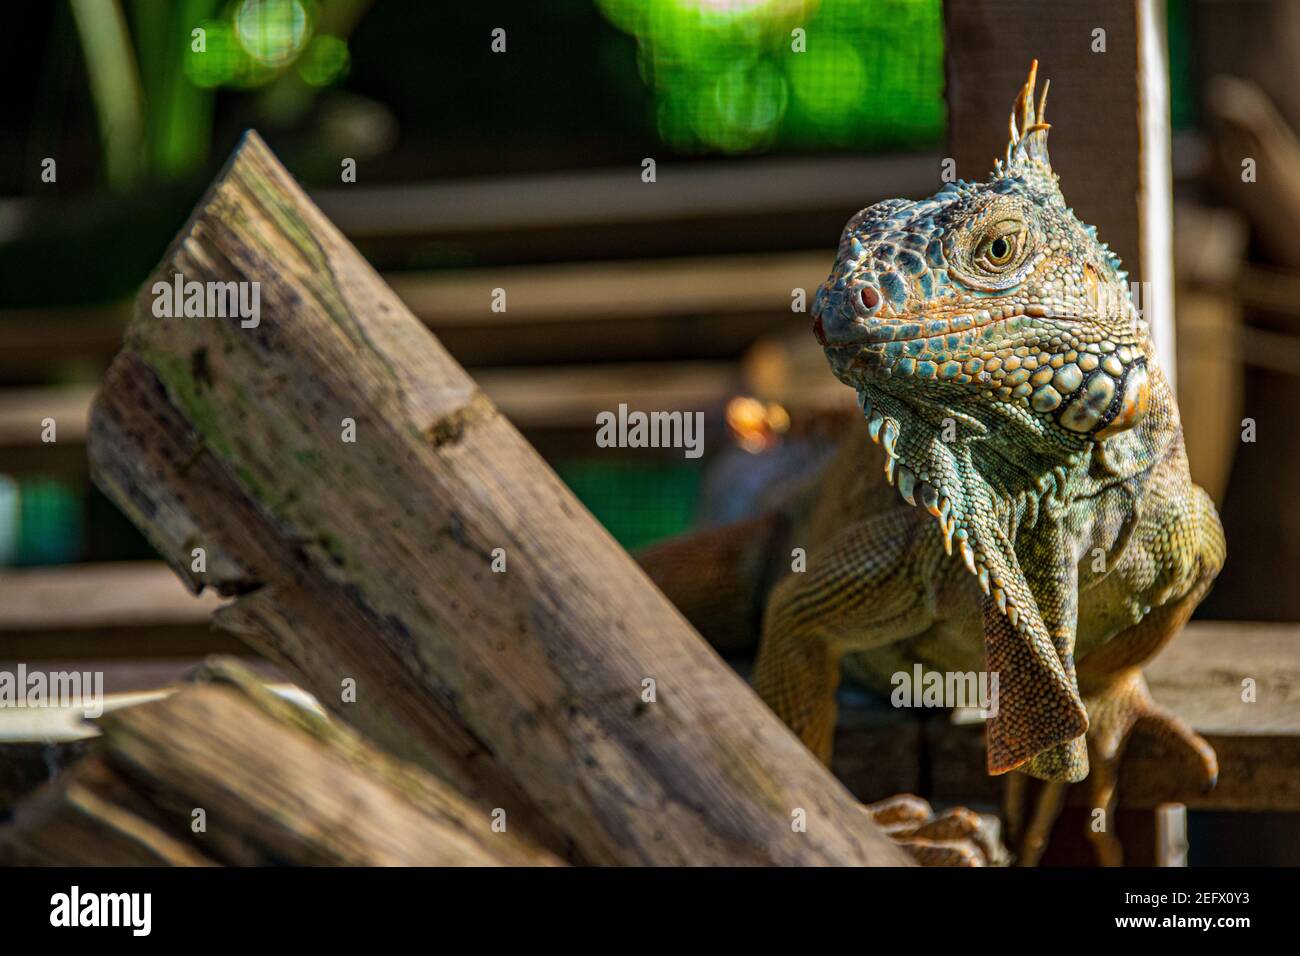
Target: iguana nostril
{"x": 870, "y": 298}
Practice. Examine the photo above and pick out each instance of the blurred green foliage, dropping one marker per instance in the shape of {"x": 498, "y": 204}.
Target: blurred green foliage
{"x": 728, "y": 75}
{"x": 1182, "y": 93}
{"x": 741, "y": 75}
{"x": 153, "y": 68}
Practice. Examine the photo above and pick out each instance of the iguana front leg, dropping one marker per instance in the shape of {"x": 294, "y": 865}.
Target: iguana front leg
{"x": 863, "y": 588}
{"x": 870, "y": 585}
{"x": 1178, "y": 550}
{"x": 1119, "y": 702}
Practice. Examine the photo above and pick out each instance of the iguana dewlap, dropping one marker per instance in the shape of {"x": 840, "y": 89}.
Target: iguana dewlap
{"x": 1029, "y": 506}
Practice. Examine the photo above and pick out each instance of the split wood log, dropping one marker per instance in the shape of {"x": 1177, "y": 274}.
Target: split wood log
{"x": 350, "y": 484}
{"x": 276, "y": 783}
{"x": 81, "y": 818}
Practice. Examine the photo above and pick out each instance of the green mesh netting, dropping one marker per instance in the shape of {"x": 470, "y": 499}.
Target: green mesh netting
{"x": 40, "y": 522}
{"x": 638, "y": 502}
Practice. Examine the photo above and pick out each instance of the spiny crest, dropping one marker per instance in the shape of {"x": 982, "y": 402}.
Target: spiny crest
{"x": 1027, "y": 142}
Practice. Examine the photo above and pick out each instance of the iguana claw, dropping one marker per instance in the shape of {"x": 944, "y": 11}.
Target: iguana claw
{"x": 953, "y": 837}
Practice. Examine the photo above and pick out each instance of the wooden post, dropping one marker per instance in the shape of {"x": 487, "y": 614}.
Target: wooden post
{"x": 392, "y": 538}
{"x": 1109, "y": 110}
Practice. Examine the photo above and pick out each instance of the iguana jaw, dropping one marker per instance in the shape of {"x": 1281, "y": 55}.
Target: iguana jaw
{"x": 958, "y": 318}
{"x": 1078, "y": 388}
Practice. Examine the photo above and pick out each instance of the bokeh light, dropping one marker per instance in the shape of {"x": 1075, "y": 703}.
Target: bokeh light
{"x": 325, "y": 61}
{"x": 217, "y": 63}
{"x": 830, "y": 85}
{"x": 273, "y": 32}
{"x": 256, "y": 41}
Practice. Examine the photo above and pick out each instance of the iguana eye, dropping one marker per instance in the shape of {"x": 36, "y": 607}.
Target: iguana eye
{"x": 998, "y": 255}
{"x": 1000, "y": 250}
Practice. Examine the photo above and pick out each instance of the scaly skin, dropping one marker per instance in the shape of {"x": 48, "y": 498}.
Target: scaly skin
{"x": 1041, "y": 509}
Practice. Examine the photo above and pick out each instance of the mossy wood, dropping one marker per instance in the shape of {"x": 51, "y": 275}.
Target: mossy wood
{"x": 371, "y": 561}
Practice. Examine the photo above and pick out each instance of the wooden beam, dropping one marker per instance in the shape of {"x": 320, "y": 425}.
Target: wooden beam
{"x": 367, "y": 566}
{"x": 1199, "y": 678}
{"x": 1211, "y": 254}
{"x": 539, "y": 401}
{"x": 698, "y": 306}
{"x": 1109, "y": 113}
{"x": 34, "y": 339}
{"x": 617, "y": 197}
{"x": 617, "y": 292}
{"x": 685, "y": 307}
{"x": 23, "y": 414}
{"x": 108, "y": 611}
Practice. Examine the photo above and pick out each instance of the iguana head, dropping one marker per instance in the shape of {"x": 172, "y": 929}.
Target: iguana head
{"x": 990, "y": 298}
{"x": 993, "y": 343}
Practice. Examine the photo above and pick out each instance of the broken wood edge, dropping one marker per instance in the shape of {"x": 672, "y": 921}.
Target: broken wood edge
{"x": 257, "y": 766}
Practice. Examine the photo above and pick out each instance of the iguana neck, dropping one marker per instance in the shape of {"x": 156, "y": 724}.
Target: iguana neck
{"x": 971, "y": 467}
{"x": 985, "y": 483}
{"x": 987, "y": 475}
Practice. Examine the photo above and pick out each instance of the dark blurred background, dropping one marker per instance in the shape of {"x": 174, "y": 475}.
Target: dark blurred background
{"x": 522, "y": 169}
{"x": 466, "y": 158}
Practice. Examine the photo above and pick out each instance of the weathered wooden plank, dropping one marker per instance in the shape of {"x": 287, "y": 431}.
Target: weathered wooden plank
{"x": 371, "y": 561}
{"x": 1200, "y": 678}
{"x": 114, "y": 610}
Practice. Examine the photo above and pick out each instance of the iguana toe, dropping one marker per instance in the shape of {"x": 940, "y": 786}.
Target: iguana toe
{"x": 1122, "y": 707}
{"x": 953, "y": 837}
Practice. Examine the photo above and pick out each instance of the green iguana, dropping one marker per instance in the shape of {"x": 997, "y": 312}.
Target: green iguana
{"x": 1032, "y": 508}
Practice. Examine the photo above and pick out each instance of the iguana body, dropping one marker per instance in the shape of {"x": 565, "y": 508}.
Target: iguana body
{"x": 1032, "y": 506}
